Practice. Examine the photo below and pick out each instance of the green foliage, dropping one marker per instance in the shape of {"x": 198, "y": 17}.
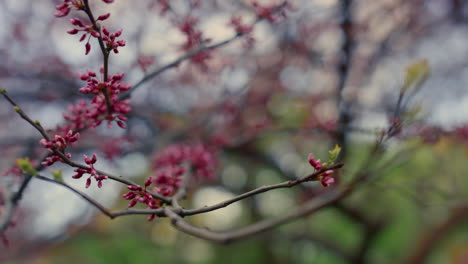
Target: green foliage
{"x": 416, "y": 73}
{"x": 57, "y": 174}
{"x": 334, "y": 153}
{"x": 26, "y": 166}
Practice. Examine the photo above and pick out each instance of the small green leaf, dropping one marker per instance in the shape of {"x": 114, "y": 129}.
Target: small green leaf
{"x": 26, "y": 166}
{"x": 57, "y": 174}
{"x": 334, "y": 154}
{"x": 2, "y": 91}
{"x": 416, "y": 73}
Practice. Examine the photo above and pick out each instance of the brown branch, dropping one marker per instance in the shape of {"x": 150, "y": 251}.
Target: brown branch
{"x": 93, "y": 202}
{"x": 287, "y": 184}
{"x": 176, "y": 62}
{"x": 18, "y": 110}
{"x": 105, "y": 53}
{"x": 190, "y": 54}
{"x": 259, "y": 227}
{"x": 66, "y": 160}
{"x": 344, "y": 68}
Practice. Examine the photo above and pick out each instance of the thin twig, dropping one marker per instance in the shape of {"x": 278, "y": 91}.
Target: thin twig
{"x": 190, "y": 54}
{"x": 259, "y": 227}
{"x": 66, "y": 160}
{"x": 287, "y": 184}
{"x": 7, "y": 208}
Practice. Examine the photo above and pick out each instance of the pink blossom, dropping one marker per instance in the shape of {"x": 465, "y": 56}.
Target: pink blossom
{"x": 88, "y": 30}
{"x": 90, "y": 170}
{"x": 323, "y": 177}
{"x": 110, "y": 39}
{"x": 65, "y": 8}
{"x": 59, "y": 143}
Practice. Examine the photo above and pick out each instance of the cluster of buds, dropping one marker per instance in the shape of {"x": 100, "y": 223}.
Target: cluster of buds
{"x": 272, "y": 13}
{"x": 239, "y": 26}
{"x": 95, "y": 86}
{"x": 169, "y": 165}
{"x": 242, "y": 29}
{"x": 99, "y": 106}
{"x": 83, "y": 115}
{"x": 194, "y": 39}
{"x": 65, "y": 8}
{"x": 80, "y": 117}
{"x": 59, "y": 143}
{"x": 171, "y": 160}
{"x": 143, "y": 62}
{"x": 105, "y": 105}
{"x": 109, "y": 39}
{"x": 88, "y": 30}
{"x": 323, "y": 177}
{"x": 137, "y": 194}
{"x": 89, "y": 170}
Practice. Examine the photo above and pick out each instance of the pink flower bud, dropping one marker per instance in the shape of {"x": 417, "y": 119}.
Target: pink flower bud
{"x": 82, "y": 37}
{"x": 88, "y": 48}
{"x": 132, "y": 203}
{"x": 148, "y": 181}
{"x": 129, "y": 195}
{"x": 73, "y": 31}
{"x": 151, "y": 217}
{"x": 121, "y": 124}
{"x": 327, "y": 181}
{"x": 95, "y": 34}
{"x": 76, "y": 22}
{"x": 134, "y": 188}
{"x": 104, "y": 17}
{"x": 105, "y": 31}
{"x": 88, "y": 183}
{"x": 45, "y": 143}
{"x": 63, "y": 11}
{"x": 118, "y": 33}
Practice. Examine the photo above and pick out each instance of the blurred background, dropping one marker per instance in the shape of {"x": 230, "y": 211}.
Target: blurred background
{"x": 330, "y": 72}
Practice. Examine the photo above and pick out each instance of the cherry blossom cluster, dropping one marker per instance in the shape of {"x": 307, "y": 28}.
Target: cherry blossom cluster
{"x": 242, "y": 29}
{"x": 67, "y": 5}
{"x": 137, "y": 194}
{"x": 238, "y": 25}
{"x": 88, "y": 30}
{"x": 59, "y": 143}
{"x": 83, "y": 114}
{"x": 272, "y": 13}
{"x": 90, "y": 170}
{"x": 110, "y": 39}
{"x": 170, "y": 161}
{"x": 194, "y": 39}
{"x": 324, "y": 177}
{"x": 169, "y": 165}
{"x": 105, "y": 105}
{"x": 143, "y": 62}
{"x": 95, "y": 86}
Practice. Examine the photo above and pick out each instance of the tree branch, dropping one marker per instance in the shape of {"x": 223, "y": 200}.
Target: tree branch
{"x": 287, "y": 184}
